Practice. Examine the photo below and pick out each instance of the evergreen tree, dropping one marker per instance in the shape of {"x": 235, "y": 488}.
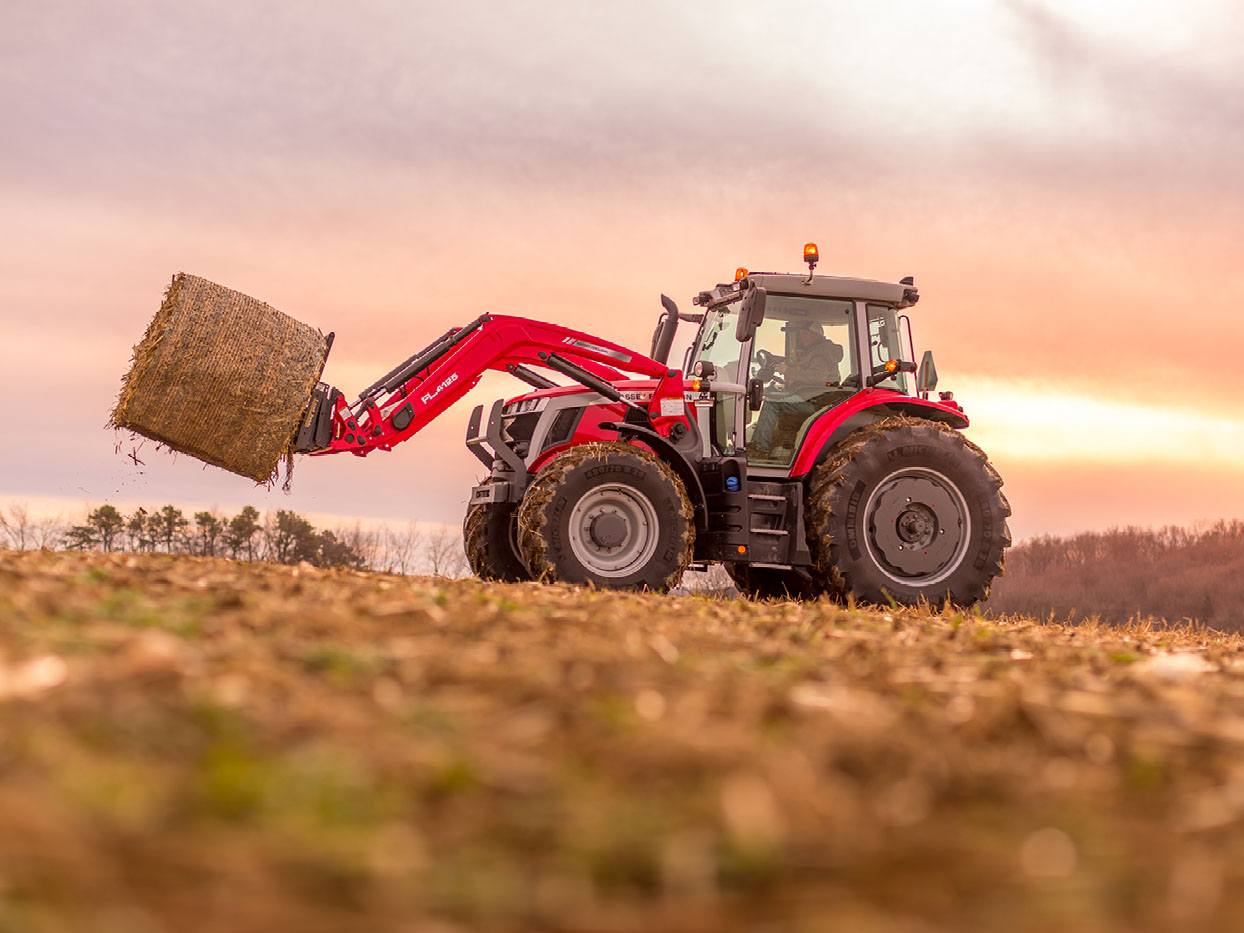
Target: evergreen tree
{"x": 81, "y": 538}
{"x": 291, "y": 539}
{"x": 169, "y": 525}
{"x": 331, "y": 551}
{"x": 107, "y": 524}
{"x": 208, "y": 528}
{"x": 138, "y": 531}
{"x": 240, "y": 533}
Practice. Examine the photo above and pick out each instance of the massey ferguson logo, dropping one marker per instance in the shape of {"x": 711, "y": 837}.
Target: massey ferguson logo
{"x": 427, "y": 397}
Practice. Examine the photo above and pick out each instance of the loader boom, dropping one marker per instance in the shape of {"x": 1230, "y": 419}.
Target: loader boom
{"x": 416, "y": 391}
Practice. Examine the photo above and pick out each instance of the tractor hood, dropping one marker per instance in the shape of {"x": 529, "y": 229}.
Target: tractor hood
{"x": 641, "y": 389}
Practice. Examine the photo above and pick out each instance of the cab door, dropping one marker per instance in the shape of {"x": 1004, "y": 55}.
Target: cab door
{"x": 805, "y": 355}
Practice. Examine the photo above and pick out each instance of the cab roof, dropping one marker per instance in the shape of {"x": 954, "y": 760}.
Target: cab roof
{"x": 836, "y": 286}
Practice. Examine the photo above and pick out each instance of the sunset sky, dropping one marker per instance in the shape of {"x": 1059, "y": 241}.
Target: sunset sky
{"x": 1063, "y": 179}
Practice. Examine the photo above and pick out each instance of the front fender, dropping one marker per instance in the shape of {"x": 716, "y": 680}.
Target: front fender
{"x": 862, "y": 409}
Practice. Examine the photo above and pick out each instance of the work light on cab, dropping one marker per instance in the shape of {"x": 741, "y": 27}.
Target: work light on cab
{"x": 811, "y": 255}
{"x": 740, "y": 274}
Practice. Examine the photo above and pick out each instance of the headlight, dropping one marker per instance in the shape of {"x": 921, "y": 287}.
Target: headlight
{"x": 522, "y": 406}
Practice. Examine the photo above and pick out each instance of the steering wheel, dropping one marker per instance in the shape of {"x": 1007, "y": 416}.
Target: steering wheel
{"x": 764, "y": 367}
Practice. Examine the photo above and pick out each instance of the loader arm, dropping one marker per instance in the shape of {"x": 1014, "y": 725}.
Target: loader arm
{"x": 416, "y": 391}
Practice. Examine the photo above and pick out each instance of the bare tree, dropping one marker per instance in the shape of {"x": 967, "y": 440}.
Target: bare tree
{"x": 444, "y": 554}
{"x": 17, "y": 526}
{"x": 363, "y": 543}
{"x": 48, "y": 532}
{"x": 401, "y": 548}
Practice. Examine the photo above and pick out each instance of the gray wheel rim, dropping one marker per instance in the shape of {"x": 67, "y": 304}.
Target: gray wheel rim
{"x": 917, "y": 526}
{"x": 613, "y": 530}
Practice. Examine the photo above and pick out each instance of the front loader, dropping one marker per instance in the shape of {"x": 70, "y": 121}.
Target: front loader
{"x": 792, "y": 447}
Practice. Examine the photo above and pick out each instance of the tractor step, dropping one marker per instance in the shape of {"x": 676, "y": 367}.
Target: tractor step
{"x": 775, "y": 526}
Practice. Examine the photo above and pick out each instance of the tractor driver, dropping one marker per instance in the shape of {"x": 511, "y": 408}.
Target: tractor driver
{"x": 810, "y": 373}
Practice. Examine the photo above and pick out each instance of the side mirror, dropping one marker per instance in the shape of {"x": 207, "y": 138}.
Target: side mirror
{"x": 750, "y": 314}
{"x": 926, "y": 377}
{"x": 755, "y": 394}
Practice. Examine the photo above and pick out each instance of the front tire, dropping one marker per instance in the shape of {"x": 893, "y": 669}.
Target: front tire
{"x": 906, "y": 511}
{"x": 488, "y": 536}
{"x": 610, "y": 515}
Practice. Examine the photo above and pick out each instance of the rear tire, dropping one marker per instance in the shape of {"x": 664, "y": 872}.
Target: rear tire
{"x": 488, "y": 535}
{"x": 770, "y": 583}
{"x": 908, "y": 510}
{"x": 610, "y": 515}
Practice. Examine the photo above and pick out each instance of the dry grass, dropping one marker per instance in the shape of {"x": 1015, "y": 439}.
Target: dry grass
{"x": 192, "y": 744}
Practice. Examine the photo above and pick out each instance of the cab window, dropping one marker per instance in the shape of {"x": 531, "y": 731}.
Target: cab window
{"x": 885, "y": 343}
{"x": 804, "y": 355}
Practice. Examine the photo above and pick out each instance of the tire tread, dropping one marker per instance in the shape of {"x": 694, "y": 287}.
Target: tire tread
{"x": 862, "y": 455}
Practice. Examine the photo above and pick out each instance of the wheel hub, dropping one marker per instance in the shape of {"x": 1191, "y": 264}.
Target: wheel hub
{"x": 613, "y": 530}
{"x": 607, "y": 529}
{"x": 917, "y": 526}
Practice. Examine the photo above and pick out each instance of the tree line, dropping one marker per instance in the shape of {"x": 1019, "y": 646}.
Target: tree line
{"x": 1168, "y": 573}
{"x": 281, "y": 536}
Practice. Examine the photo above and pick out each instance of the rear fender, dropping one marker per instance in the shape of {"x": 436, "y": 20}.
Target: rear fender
{"x": 862, "y": 409}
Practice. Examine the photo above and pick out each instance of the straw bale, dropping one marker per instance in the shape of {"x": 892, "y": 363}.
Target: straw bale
{"x": 222, "y": 377}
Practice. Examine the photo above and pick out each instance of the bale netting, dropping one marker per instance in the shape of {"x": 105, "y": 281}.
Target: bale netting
{"x": 222, "y": 377}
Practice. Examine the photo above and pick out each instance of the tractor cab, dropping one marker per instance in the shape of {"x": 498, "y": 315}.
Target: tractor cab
{"x": 781, "y": 350}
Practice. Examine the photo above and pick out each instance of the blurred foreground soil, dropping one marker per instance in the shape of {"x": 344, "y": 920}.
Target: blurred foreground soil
{"x": 198, "y": 745}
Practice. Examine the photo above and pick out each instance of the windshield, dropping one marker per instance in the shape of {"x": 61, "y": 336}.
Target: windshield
{"x": 717, "y": 345}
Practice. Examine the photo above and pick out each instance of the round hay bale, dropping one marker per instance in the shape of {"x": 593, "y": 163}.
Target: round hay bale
{"x": 222, "y": 377}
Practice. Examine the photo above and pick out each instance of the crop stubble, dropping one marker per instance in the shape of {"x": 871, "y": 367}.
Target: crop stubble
{"x": 199, "y": 744}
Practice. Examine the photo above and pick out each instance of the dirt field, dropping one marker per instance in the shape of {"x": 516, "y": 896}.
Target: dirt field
{"x": 192, "y": 744}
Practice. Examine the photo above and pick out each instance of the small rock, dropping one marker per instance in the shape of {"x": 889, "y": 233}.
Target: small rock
{"x": 1180, "y": 665}
{"x": 33, "y": 677}
{"x": 650, "y": 705}
{"x": 1048, "y": 853}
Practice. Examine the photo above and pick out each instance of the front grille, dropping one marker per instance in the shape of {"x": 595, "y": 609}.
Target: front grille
{"x": 517, "y": 429}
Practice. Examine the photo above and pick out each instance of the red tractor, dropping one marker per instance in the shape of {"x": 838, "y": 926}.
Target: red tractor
{"x": 792, "y": 448}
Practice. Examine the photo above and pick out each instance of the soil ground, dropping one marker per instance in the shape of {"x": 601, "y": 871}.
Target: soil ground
{"x": 199, "y": 745}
